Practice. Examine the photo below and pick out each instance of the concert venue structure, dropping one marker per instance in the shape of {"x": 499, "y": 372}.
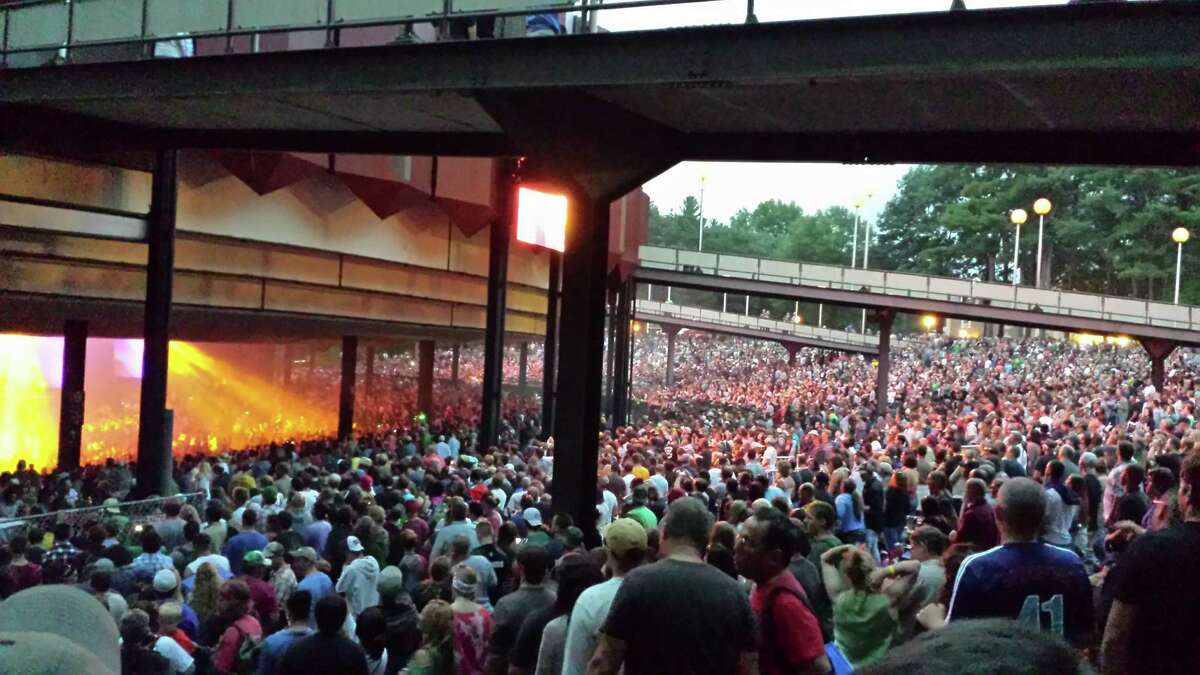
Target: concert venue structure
{"x": 283, "y": 173}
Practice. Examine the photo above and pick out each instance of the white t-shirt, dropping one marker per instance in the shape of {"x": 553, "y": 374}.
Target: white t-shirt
{"x": 591, "y": 609}
{"x": 179, "y": 659}
{"x": 607, "y": 507}
{"x": 220, "y": 562}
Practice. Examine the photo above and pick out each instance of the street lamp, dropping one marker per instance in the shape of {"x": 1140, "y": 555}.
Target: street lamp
{"x": 929, "y": 321}
{"x": 858, "y": 204}
{"x": 1041, "y": 207}
{"x": 1018, "y": 218}
{"x": 867, "y": 237}
{"x": 1179, "y": 236}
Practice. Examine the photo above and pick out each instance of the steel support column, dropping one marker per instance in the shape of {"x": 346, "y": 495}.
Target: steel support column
{"x": 792, "y": 349}
{"x": 346, "y": 398}
{"x": 621, "y": 348}
{"x": 454, "y": 363}
{"x": 581, "y": 347}
{"x": 885, "y": 319}
{"x": 672, "y": 332}
{"x": 493, "y": 340}
{"x": 1158, "y": 350}
{"x": 70, "y": 418}
{"x": 523, "y": 370}
{"x": 154, "y": 428}
{"x": 425, "y": 349}
{"x": 550, "y": 351}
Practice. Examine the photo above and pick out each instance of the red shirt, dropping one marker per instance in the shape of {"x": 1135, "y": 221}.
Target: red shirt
{"x": 225, "y": 655}
{"x": 797, "y": 633}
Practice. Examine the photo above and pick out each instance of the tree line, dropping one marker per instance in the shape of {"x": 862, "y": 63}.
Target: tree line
{"x": 1109, "y": 231}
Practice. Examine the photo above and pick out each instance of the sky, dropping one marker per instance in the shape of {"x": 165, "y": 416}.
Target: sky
{"x": 730, "y": 186}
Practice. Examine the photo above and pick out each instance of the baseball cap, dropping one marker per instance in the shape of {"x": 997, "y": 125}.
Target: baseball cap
{"x": 112, "y": 505}
{"x": 391, "y": 581}
{"x": 625, "y": 534}
{"x": 306, "y": 552}
{"x": 572, "y": 537}
{"x": 254, "y": 559}
{"x": 641, "y": 472}
{"x": 273, "y": 550}
{"x": 165, "y": 581}
{"x": 354, "y": 544}
{"x": 532, "y": 516}
{"x": 57, "y": 629}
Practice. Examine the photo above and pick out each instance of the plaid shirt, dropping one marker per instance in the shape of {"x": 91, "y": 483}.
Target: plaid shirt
{"x": 145, "y": 565}
{"x": 63, "y": 553}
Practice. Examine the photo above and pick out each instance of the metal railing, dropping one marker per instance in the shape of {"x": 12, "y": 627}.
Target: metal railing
{"x": 126, "y": 516}
{"x": 61, "y": 25}
{"x": 1048, "y": 301}
{"x": 771, "y": 326}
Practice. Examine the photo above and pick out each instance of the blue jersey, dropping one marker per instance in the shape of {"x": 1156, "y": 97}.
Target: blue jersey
{"x": 1038, "y": 584}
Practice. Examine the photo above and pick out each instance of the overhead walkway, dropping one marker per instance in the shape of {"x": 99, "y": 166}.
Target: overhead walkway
{"x": 920, "y": 293}
{"x": 790, "y": 334}
{"x": 1159, "y": 327}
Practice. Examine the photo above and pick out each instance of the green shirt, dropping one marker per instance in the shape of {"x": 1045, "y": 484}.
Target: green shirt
{"x": 644, "y": 516}
{"x": 820, "y": 545}
{"x": 862, "y": 626}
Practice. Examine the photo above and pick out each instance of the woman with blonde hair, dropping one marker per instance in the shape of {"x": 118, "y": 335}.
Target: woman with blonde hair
{"x": 204, "y": 598}
{"x": 864, "y": 616}
{"x": 436, "y": 654}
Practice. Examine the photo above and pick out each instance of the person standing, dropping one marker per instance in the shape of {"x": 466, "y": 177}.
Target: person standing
{"x": 359, "y": 579}
{"x": 458, "y": 526}
{"x": 248, "y": 539}
{"x": 1151, "y": 625}
{"x": 327, "y": 651}
{"x": 264, "y": 604}
{"x": 625, "y": 546}
{"x": 873, "y": 502}
{"x": 821, "y": 519}
{"x": 1035, "y": 583}
{"x": 712, "y": 625}
{"x": 850, "y": 527}
{"x": 317, "y": 583}
{"x": 234, "y": 607}
{"x": 533, "y": 562}
{"x": 1113, "y": 487}
{"x": 790, "y": 639}
{"x": 977, "y": 522}
{"x": 299, "y": 606}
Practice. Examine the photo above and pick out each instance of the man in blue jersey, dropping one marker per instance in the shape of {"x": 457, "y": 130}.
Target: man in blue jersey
{"x": 1038, "y": 584}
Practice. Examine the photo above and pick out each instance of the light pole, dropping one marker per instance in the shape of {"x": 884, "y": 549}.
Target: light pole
{"x": 1179, "y": 236}
{"x": 1041, "y": 207}
{"x": 854, "y": 240}
{"x": 1018, "y": 218}
{"x": 866, "y": 253}
{"x": 867, "y": 238}
{"x": 700, "y": 246}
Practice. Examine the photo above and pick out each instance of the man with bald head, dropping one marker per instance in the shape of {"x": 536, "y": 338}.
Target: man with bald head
{"x": 1040, "y": 585}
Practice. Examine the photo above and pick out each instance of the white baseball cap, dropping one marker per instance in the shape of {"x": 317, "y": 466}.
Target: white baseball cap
{"x": 353, "y": 544}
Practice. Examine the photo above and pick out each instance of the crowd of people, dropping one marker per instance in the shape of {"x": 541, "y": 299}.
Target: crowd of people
{"x": 1021, "y": 506}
